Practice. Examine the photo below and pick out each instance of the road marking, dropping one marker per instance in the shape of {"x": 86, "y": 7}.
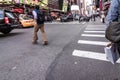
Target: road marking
{"x": 92, "y": 42}
{"x": 83, "y": 22}
{"x": 91, "y": 55}
{"x": 88, "y": 54}
{"x": 95, "y": 26}
{"x": 94, "y": 31}
{"x": 93, "y": 35}
{"x": 98, "y": 26}
{"x": 76, "y": 22}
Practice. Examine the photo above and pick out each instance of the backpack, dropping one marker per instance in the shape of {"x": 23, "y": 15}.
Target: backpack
{"x": 40, "y": 17}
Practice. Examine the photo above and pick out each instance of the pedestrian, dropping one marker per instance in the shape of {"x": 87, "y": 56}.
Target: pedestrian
{"x": 94, "y": 14}
{"x": 113, "y": 13}
{"x": 39, "y": 19}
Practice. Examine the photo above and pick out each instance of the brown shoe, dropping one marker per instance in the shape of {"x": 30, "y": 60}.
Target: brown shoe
{"x": 45, "y": 42}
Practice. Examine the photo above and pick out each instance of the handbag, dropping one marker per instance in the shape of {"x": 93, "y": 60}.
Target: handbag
{"x": 112, "y": 53}
{"x": 112, "y": 32}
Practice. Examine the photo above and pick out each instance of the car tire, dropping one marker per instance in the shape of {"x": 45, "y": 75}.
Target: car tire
{"x": 6, "y": 31}
{"x": 21, "y": 25}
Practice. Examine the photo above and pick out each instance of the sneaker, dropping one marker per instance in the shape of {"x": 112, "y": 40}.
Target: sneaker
{"x": 45, "y": 42}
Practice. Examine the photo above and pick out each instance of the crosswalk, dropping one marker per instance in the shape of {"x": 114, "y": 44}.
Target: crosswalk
{"x": 72, "y": 22}
{"x": 96, "y": 32}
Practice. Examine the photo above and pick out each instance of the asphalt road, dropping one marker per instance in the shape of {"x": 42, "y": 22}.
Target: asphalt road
{"x": 21, "y": 60}
{"x": 84, "y": 58}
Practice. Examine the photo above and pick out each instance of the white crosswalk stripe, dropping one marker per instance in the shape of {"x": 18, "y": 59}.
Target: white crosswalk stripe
{"x": 91, "y": 55}
{"x": 93, "y": 35}
{"x": 95, "y": 28}
{"x": 83, "y": 22}
{"x": 92, "y": 31}
{"x": 92, "y": 42}
{"x": 74, "y": 22}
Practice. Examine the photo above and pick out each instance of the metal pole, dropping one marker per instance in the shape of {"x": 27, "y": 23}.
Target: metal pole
{"x": 79, "y": 3}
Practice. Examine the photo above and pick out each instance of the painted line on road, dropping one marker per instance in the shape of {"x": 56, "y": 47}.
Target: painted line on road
{"x": 98, "y": 26}
{"x": 95, "y": 26}
{"x": 63, "y": 23}
{"x": 83, "y": 22}
{"x": 91, "y": 55}
{"x": 94, "y": 31}
{"x": 93, "y": 35}
{"x": 92, "y": 42}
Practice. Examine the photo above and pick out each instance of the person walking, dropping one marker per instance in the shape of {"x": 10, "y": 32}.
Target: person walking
{"x": 94, "y": 14}
{"x": 39, "y": 19}
{"x": 113, "y": 12}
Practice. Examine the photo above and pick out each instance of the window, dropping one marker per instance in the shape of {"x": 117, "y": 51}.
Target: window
{"x": 9, "y": 15}
{"x": 1, "y": 15}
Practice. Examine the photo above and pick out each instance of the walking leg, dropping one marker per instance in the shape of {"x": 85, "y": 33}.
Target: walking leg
{"x": 43, "y": 34}
{"x": 35, "y": 36}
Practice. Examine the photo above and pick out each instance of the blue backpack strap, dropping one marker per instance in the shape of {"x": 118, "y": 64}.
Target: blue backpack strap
{"x": 36, "y": 11}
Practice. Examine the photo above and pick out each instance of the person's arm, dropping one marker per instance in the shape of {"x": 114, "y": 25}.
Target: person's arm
{"x": 35, "y": 15}
{"x": 113, "y": 12}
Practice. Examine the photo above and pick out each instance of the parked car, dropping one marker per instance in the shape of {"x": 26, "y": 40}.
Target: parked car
{"x": 66, "y": 18}
{"x": 26, "y": 21}
{"x": 8, "y": 21}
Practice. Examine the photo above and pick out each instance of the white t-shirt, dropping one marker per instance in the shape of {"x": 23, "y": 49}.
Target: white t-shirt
{"x": 34, "y": 14}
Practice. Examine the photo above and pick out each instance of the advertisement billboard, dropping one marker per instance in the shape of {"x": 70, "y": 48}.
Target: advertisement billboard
{"x": 44, "y": 3}
{"x": 17, "y": 1}
{"x": 65, "y": 5}
{"x": 21, "y": 1}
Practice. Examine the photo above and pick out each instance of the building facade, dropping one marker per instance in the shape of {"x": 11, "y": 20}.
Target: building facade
{"x": 53, "y": 4}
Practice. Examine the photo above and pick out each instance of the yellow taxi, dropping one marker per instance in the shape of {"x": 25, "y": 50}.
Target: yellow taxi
{"x": 26, "y": 21}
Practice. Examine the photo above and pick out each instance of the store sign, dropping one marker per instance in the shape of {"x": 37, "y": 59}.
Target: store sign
{"x": 5, "y": 0}
{"x": 36, "y": 1}
{"x": 17, "y": 1}
{"x": 75, "y": 7}
{"x": 26, "y": 1}
{"x": 44, "y": 3}
{"x": 21, "y": 1}
{"x": 29, "y": 1}
{"x": 65, "y": 5}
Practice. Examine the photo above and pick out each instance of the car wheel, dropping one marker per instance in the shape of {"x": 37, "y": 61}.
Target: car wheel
{"x": 6, "y": 31}
{"x": 21, "y": 25}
